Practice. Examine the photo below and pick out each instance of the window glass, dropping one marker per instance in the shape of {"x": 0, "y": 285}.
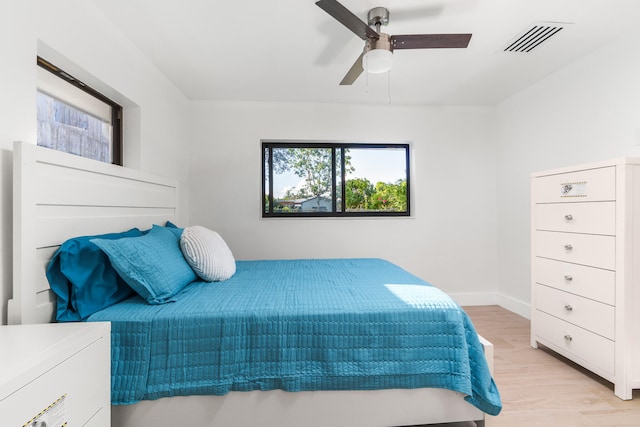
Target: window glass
{"x": 76, "y": 119}
{"x": 338, "y": 180}
{"x": 335, "y": 179}
{"x": 302, "y": 180}
{"x": 376, "y": 180}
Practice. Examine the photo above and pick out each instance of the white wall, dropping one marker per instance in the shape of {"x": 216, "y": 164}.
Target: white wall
{"x": 450, "y": 240}
{"x": 586, "y": 112}
{"x": 76, "y": 36}
{"x": 17, "y": 116}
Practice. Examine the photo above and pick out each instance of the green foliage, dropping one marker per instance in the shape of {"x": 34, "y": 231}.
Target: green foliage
{"x": 358, "y": 192}
{"x": 390, "y": 196}
{"x": 361, "y": 195}
{"x": 292, "y": 194}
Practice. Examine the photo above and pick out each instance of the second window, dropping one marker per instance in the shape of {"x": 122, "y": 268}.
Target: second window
{"x": 335, "y": 179}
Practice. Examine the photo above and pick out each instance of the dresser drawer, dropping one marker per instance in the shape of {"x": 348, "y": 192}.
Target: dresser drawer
{"x": 586, "y": 249}
{"x": 591, "y": 315}
{"x": 589, "y": 217}
{"x": 582, "y": 346}
{"x": 586, "y": 185}
{"x": 589, "y": 282}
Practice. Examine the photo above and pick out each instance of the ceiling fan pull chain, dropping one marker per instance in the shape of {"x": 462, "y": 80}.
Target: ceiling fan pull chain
{"x": 389, "y": 87}
{"x": 366, "y": 76}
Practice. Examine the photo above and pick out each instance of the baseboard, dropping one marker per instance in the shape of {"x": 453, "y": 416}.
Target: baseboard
{"x": 516, "y": 306}
{"x": 493, "y": 298}
{"x": 477, "y": 298}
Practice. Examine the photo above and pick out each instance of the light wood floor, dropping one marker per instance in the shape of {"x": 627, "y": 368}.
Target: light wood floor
{"x": 539, "y": 388}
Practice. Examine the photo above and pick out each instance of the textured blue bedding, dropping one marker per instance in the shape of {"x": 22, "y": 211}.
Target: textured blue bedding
{"x": 339, "y": 324}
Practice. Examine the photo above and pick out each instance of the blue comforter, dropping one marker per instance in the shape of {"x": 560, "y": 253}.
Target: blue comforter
{"x": 340, "y": 324}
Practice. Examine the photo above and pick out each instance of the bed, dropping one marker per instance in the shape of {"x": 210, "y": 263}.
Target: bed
{"x": 59, "y": 196}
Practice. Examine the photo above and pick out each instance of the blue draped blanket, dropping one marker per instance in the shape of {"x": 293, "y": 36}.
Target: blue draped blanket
{"x": 298, "y": 325}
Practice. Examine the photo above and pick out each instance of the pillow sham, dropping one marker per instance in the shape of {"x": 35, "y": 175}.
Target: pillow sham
{"x": 207, "y": 253}
{"x": 152, "y": 264}
{"x": 169, "y": 224}
{"x": 83, "y": 279}
{"x": 175, "y": 230}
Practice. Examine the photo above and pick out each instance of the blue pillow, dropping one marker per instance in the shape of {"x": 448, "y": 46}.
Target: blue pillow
{"x": 176, "y": 231}
{"x": 169, "y": 224}
{"x": 171, "y": 227}
{"x": 82, "y": 278}
{"x": 152, "y": 264}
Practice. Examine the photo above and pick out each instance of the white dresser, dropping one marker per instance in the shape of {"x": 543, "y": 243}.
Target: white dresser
{"x": 55, "y": 375}
{"x": 585, "y": 267}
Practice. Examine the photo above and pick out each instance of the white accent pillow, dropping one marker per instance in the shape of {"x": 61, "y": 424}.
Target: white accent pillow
{"x": 207, "y": 253}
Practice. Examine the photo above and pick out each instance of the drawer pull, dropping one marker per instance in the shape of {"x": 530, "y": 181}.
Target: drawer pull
{"x": 568, "y": 338}
{"x": 568, "y": 217}
{"x": 568, "y": 307}
{"x": 568, "y": 278}
{"x": 568, "y": 247}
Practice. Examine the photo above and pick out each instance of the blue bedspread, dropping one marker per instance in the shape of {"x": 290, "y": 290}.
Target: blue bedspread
{"x": 341, "y": 324}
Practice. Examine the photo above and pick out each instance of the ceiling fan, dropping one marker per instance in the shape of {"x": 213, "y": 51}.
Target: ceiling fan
{"x": 378, "y": 50}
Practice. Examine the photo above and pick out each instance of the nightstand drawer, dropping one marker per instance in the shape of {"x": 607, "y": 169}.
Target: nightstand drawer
{"x": 584, "y": 186}
{"x": 585, "y": 249}
{"x": 56, "y": 370}
{"x": 594, "y": 283}
{"x": 591, "y": 315}
{"x": 590, "y": 217}
{"x": 582, "y": 346}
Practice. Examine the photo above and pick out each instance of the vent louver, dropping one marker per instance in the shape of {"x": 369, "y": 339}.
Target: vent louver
{"x": 533, "y": 36}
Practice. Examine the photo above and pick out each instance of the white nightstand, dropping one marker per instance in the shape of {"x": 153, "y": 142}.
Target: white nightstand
{"x": 57, "y": 373}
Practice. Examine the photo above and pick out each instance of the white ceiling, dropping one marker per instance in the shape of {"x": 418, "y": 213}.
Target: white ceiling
{"x": 293, "y": 51}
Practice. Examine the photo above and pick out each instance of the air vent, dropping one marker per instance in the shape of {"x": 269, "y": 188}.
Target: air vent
{"x": 534, "y": 35}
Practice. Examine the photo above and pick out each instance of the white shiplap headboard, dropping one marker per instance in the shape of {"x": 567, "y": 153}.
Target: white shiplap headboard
{"x": 57, "y": 196}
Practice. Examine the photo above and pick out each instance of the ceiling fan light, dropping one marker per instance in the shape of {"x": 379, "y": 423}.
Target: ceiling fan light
{"x": 378, "y": 61}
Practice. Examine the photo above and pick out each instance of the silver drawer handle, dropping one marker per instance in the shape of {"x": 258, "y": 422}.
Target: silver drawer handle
{"x": 568, "y": 247}
{"x": 568, "y": 217}
{"x": 568, "y": 278}
{"x": 568, "y": 337}
{"x": 568, "y": 307}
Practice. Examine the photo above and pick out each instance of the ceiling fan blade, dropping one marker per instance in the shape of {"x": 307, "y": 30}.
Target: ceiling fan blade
{"x": 354, "y": 72}
{"x": 348, "y": 19}
{"x": 430, "y": 41}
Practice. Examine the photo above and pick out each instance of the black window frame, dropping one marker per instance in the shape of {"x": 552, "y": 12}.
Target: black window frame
{"x": 267, "y": 172}
{"x": 116, "y": 109}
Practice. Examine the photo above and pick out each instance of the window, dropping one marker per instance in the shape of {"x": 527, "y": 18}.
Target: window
{"x": 334, "y": 179}
{"x": 75, "y": 118}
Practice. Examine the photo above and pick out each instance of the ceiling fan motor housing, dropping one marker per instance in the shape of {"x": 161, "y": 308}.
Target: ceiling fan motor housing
{"x": 378, "y": 16}
{"x": 384, "y": 42}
